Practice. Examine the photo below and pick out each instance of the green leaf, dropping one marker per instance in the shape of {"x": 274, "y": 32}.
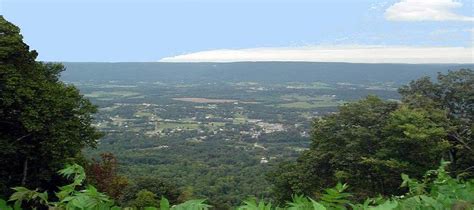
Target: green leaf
{"x": 164, "y": 203}
{"x": 388, "y": 205}
{"x": 317, "y": 206}
{"x": 3, "y": 205}
{"x": 431, "y": 202}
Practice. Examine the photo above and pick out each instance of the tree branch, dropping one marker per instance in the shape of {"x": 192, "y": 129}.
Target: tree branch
{"x": 22, "y": 137}
{"x": 25, "y": 172}
{"x": 457, "y": 138}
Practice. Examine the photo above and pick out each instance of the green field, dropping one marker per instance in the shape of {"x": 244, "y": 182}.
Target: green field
{"x": 298, "y": 97}
{"x": 310, "y": 105}
{"x": 143, "y": 114}
{"x": 216, "y": 124}
{"x": 239, "y": 118}
{"x": 314, "y": 85}
{"x": 175, "y": 125}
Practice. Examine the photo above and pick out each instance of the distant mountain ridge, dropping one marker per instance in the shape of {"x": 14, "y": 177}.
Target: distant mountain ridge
{"x": 253, "y": 71}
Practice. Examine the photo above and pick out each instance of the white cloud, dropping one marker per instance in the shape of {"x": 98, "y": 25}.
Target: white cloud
{"x": 425, "y": 10}
{"x": 351, "y": 54}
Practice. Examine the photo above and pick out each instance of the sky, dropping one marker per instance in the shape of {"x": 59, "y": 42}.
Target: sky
{"x": 370, "y": 31}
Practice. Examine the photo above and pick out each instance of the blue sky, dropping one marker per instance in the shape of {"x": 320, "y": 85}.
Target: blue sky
{"x": 152, "y": 30}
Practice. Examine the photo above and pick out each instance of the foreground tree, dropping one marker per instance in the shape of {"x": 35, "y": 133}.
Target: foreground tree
{"x": 369, "y": 142}
{"x": 145, "y": 198}
{"x": 453, "y": 93}
{"x": 43, "y": 122}
{"x": 104, "y": 175}
{"x": 158, "y": 187}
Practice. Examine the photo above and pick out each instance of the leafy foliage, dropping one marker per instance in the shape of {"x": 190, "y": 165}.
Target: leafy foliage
{"x": 158, "y": 187}
{"x": 75, "y": 196}
{"x": 454, "y": 93}
{"x": 335, "y": 198}
{"x": 145, "y": 198}
{"x": 369, "y": 142}
{"x": 192, "y": 204}
{"x": 437, "y": 191}
{"x": 252, "y": 204}
{"x": 44, "y": 123}
{"x": 30, "y": 196}
{"x": 69, "y": 196}
{"x": 103, "y": 175}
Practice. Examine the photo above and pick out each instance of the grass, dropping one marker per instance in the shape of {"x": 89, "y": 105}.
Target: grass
{"x": 143, "y": 114}
{"x": 239, "y": 118}
{"x": 298, "y": 97}
{"x": 205, "y": 100}
{"x": 296, "y": 101}
{"x": 174, "y": 125}
{"x": 216, "y": 124}
{"x": 314, "y": 85}
{"x": 310, "y": 105}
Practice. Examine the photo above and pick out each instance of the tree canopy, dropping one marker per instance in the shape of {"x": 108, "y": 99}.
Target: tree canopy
{"x": 454, "y": 94}
{"x": 43, "y": 121}
{"x": 369, "y": 142}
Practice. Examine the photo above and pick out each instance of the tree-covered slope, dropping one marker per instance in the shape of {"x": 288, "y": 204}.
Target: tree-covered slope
{"x": 253, "y": 71}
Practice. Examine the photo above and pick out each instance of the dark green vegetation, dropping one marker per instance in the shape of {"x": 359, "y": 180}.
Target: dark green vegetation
{"x": 76, "y": 196}
{"x": 44, "y": 123}
{"x": 229, "y": 136}
{"x": 369, "y": 142}
{"x": 436, "y": 191}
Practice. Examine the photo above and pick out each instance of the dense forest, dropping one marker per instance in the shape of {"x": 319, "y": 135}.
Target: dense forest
{"x": 415, "y": 152}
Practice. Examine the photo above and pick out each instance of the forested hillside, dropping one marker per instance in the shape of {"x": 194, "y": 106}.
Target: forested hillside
{"x": 265, "y": 72}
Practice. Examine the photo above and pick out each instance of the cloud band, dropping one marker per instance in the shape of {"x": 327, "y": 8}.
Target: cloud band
{"x": 351, "y": 54}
